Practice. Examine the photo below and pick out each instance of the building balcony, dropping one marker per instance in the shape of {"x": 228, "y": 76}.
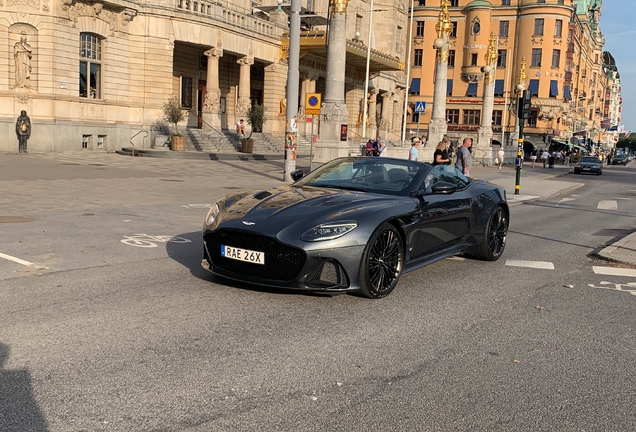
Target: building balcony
{"x": 315, "y": 42}
{"x": 245, "y": 19}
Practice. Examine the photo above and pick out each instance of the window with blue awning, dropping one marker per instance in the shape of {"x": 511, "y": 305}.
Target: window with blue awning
{"x": 554, "y": 88}
{"x": 534, "y": 87}
{"x": 415, "y": 86}
{"x": 449, "y": 87}
{"x": 472, "y": 89}
{"x": 566, "y": 93}
{"x": 499, "y": 88}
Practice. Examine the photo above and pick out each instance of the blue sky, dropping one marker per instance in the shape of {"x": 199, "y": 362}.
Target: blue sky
{"x": 618, "y": 28}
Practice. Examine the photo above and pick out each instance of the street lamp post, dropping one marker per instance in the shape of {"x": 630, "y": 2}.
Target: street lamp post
{"x": 408, "y": 73}
{"x": 293, "y": 77}
{"x": 520, "y": 118}
{"x": 366, "y": 79}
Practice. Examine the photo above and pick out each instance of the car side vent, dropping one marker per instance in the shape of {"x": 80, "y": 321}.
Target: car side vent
{"x": 329, "y": 275}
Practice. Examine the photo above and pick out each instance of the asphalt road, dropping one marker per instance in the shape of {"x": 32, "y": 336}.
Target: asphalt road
{"x": 97, "y": 334}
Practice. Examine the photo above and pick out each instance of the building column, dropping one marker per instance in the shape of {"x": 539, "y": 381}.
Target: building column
{"x": 372, "y": 103}
{"x": 334, "y": 113}
{"x": 385, "y": 114}
{"x": 274, "y": 98}
{"x": 243, "y": 102}
{"x": 437, "y": 127}
{"x": 301, "y": 118}
{"x": 212, "y": 101}
{"x": 485, "y": 130}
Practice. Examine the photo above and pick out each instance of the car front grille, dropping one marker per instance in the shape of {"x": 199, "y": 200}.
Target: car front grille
{"x": 282, "y": 262}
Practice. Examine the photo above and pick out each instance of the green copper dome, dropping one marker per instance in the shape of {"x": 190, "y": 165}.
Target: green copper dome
{"x": 477, "y": 3}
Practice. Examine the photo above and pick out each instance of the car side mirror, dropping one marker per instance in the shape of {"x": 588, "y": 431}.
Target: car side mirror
{"x": 297, "y": 175}
{"x": 444, "y": 188}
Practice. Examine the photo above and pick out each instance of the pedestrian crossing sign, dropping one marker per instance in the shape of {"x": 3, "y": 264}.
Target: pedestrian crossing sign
{"x": 420, "y": 106}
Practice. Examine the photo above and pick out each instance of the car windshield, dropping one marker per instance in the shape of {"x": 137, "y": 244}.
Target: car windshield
{"x": 373, "y": 174}
{"x": 590, "y": 159}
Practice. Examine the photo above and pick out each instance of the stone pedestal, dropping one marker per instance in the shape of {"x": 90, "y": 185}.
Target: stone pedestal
{"x": 484, "y": 138}
{"x": 438, "y": 128}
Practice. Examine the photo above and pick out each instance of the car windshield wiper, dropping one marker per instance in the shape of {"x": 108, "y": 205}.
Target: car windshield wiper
{"x": 337, "y": 186}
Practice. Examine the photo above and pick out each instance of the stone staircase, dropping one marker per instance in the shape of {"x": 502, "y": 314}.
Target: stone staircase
{"x": 211, "y": 141}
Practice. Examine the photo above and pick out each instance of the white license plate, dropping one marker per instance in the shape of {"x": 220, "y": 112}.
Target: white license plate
{"x": 246, "y": 255}
{"x": 586, "y": 169}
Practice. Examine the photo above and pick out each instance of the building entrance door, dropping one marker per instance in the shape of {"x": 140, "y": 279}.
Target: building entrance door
{"x": 200, "y": 102}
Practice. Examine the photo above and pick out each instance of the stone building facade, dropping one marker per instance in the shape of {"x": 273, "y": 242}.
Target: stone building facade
{"x": 561, "y": 43}
{"x": 94, "y": 74}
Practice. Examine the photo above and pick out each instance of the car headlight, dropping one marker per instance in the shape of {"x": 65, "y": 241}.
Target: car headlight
{"x": 212, "y": 215}
{"x": 328, "y": 231}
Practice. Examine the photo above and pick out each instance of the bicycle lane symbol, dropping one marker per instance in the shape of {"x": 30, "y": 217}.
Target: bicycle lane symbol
{"x": 628, "y": 287}
{"x": 148, "y": 241}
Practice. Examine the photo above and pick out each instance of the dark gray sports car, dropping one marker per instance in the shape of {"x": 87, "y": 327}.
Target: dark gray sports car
{"x": 354, "y": 224}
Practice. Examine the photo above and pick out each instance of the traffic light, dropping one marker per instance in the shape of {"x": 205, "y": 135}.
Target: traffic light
{"x": 525, "y": 102}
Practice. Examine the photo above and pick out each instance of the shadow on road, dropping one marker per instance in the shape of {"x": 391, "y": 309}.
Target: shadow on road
{"x": 190, "y": 256}
{"x": 18, "y": 410}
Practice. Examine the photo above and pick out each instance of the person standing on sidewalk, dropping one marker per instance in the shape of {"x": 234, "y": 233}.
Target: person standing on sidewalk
{"x": 23, "y": 131}
{"x": 464, "y": 158}
{"x": 501, "y": 155}
{"x": 413, "y": 152}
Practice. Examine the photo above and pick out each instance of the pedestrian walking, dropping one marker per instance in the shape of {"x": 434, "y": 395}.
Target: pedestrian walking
{"x": 464, "y": 158}
{"x": 533, "y": 156}
{"x": 545, "y": 155}
{"x": 501, "y": 155}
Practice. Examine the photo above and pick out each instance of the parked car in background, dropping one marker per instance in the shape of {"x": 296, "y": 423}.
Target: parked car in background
{"x": 589, "y": 164}
{"x": 619, "y": 159}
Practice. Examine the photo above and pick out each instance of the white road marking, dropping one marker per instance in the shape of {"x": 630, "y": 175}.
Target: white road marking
{"x": 607, "y": 205}
{"x": 516, "y": 198}
{"x": 456, "y": 258}
{"x": 612, "y": 271}
{"x": 530, "y": 264}
{"x": 566, "y": 200}
{"x": 16, "y": 260}
{"x": 628, "y": 199}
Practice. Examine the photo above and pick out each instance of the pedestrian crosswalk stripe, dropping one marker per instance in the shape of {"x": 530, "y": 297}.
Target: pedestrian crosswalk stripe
{"x": 613, "y": 271}
{"x": 607, "y": 205}
{"x": 531, "y": 264}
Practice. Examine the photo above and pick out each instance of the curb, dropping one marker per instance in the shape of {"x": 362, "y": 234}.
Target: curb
{"x": 609, "y": 252}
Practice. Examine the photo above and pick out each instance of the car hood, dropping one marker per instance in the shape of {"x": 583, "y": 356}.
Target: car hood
{"x": 284, "y": 206}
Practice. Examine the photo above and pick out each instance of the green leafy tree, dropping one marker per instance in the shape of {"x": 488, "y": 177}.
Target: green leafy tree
{"x": 172, "y": 113}
{"x": 629, "y": 143}
{"x": 255, "y": 117}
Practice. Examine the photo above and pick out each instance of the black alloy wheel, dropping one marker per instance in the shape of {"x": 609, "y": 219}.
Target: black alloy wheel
{"x": 381, "y": 262}
{"x": 493, "y": 242}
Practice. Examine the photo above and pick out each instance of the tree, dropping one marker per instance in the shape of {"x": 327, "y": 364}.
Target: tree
{"x": 627, "y": 143}
{"x": 255, "y": 116}
{"x": 172, "y": 113}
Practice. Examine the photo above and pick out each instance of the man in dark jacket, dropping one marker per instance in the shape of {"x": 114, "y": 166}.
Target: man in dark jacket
{"x": 23, "y": 131}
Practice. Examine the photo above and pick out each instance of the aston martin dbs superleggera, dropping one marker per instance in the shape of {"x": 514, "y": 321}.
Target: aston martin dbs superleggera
{"x": 354, "y": 224}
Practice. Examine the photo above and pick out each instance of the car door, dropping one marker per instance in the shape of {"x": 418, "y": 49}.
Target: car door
{"x": 444, "y": 218}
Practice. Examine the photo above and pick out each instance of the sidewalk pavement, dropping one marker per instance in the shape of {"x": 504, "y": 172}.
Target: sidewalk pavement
{"x": 535, "y": 183}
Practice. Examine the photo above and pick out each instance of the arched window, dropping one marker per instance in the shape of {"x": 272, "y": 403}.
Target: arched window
{"x": 90, "y": 73}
